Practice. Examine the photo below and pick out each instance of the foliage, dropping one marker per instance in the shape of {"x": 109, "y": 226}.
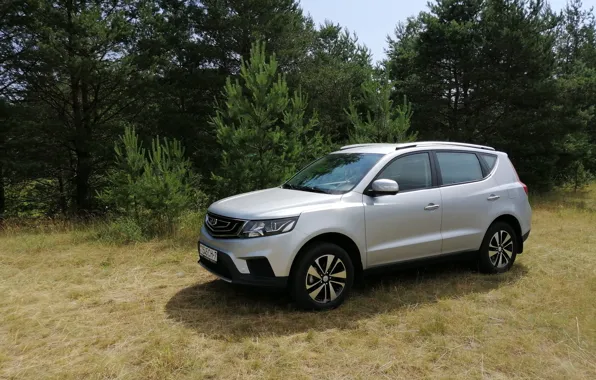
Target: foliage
{"x": 331, "y": 74}
{"x": 197, "y": 45}
{"x": 188, "y": 226}
{"x": 576, "y": 72}
{"x": 576, "y": 150}
{"x": 74, "y": 63}
{"x": 152, "y": 188}
{"x": 123, "y": 230}
{"x": 262, "y": 130}
{"x": 508, "y": 73}
{"x": 383, "y": 122}
{"x": 32, "y": 199}
{"x": 482, "y": 71}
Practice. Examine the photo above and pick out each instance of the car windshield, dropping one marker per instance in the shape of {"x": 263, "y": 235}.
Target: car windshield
{"x": 334, "y": 174}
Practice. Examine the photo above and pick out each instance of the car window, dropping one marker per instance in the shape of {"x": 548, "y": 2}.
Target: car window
{"x": 490, "y": 160}
{"x": 411, "y": 172}
{"x": 459, "y": 167}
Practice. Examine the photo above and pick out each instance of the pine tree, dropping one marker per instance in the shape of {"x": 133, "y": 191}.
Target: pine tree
{"x": 76, "y": 62}
{"x": 576, "y": 79}
{"x": 331, "y": 74}
{"x": 262, "y": 130}
{"x": 484, "y": 72}
{"x": 382, "y": 121}
{"x": 152, "y": 187}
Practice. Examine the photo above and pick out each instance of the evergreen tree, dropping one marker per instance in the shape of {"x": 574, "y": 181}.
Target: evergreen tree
{"x": 152, "y": 187}
{"x": 75, "y": 62}
{"x": 576, "y": 79}
{"x": 331, "y": 74}
{"x": 200, "y": 44}
{"x": 262, "y": 129}
{"x": 484, "y": 72}
{"x": 5, "y": 132}
{"x": 382, "y": 122}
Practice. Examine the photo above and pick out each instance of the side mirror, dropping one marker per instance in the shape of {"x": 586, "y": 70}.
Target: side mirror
{"x": 384, "y": 187}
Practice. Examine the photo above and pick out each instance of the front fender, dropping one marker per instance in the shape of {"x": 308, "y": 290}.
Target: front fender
{"x": 346, "y": 218}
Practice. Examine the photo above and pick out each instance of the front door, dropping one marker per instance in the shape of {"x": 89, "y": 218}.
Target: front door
{"x": 406, "y": 225}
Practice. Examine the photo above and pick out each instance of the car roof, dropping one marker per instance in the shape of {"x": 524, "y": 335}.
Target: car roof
{"x": 381, "y": 148}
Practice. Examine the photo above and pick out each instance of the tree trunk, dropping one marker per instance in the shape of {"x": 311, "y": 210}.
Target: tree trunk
{"x": 62, "y": 199}
{"x": 456, "y": 131}
{"x": 83, "y": 169}
{"x": 80, "y": 121}
{"x": 2, "y": 197}
{"x": 83, "y": 156}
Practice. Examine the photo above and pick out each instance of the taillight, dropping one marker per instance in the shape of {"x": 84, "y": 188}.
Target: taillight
{"x": 518, "y": 180}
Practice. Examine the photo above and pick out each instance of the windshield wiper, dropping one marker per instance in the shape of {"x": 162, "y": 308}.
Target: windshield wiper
{"x": 312, "y": 189}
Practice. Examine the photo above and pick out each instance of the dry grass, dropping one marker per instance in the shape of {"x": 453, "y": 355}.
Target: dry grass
{"x": 72, "y": 309}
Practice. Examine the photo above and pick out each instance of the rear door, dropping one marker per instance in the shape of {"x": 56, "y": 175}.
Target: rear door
{"x": 406, "y": 225}
{"x": 468, "y": 193}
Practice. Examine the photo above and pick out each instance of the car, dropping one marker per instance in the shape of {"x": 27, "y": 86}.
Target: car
{"x": 367, "y": 207}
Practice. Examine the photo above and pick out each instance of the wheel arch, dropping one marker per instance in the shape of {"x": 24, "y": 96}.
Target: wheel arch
{"x": 514, "y": 223}
{"x": 339, "y": 239}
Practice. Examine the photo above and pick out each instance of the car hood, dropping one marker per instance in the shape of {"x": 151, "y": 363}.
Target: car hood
{"x": 271, "y": 203}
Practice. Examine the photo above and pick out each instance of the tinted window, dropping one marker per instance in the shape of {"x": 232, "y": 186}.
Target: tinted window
{"x": 410, "y": 172}
{"x": 490, "y": 161}
{"x": 334, "y": 174}
{"x": 459, "y": 167}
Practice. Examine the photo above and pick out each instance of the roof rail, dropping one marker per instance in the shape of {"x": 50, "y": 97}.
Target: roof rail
{"x": 424, "y": 143}
{"x": 365, "y": 144}
{"x": 420, "y": 143}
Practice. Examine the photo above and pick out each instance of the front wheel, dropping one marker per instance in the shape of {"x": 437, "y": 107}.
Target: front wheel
{"x": 499, "y": 248}
{"x": 323, "y": 277}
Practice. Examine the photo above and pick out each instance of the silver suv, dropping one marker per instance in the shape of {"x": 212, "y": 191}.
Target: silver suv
{"x": 365, "y": 207}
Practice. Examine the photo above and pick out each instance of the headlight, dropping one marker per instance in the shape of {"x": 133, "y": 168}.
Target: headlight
{"x": 257, "y": 228}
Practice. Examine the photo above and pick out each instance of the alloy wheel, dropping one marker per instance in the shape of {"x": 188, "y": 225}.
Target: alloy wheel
{"x": 500, "y": 249}
{"x": 326, "y": 278}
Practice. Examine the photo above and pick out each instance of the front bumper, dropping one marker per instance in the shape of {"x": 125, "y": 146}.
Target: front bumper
{"x": 226, "y": 270}
{"x": 279, "y": 250}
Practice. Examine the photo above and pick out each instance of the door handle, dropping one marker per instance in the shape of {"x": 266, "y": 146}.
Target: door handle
{"x": 493, "y": 197}
{"x": 431, "y": 206}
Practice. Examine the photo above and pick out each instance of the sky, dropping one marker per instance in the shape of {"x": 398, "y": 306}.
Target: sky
{"x": 373, "y": 20}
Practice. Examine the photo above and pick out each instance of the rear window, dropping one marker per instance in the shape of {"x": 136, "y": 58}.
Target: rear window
{"x": 490, "y": 160}
{"x": 459, "y": 167}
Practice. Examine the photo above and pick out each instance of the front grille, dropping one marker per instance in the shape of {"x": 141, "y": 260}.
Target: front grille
{"x": 223, "y": 227}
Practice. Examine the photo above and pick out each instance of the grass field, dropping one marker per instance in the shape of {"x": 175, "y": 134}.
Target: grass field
{"x": 71, "y": 308}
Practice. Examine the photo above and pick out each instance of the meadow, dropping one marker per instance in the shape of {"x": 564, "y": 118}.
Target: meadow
{"x": 72, "y": 307}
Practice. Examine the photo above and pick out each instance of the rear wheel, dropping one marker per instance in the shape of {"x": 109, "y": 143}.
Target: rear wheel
{"x": 323, "y": 277}
{"x": 499, "y": 248}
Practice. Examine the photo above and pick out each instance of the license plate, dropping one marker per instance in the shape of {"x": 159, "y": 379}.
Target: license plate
{"x": 208, "y": 253}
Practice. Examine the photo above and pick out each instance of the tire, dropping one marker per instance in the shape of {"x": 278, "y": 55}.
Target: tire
{"x": 323, "y": 277}
{"x": 499, "y": 249}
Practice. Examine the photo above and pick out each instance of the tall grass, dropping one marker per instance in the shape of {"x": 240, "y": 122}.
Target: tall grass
{"x": 73, "y": 308}
{"x": 116, "y": 231}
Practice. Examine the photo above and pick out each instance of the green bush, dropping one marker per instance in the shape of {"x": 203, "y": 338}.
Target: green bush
{"x": 189, "y": 226}
{"x": 152, "y": 188}
{"x": 123, "y": 230}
